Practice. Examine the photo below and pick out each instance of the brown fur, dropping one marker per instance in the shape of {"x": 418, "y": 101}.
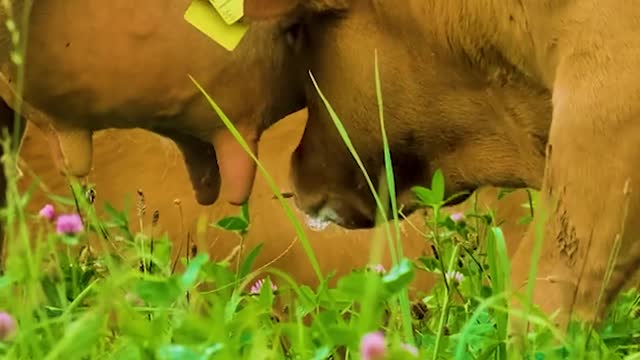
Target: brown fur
{"x": 128, "y": 160}
{"x": 467, "y": 88}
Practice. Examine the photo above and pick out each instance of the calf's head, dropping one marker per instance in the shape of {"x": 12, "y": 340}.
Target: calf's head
{"x": 440, "y": 113}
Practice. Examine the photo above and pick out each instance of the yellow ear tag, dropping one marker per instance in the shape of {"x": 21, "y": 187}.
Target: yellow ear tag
{"x": 204, "y": 17}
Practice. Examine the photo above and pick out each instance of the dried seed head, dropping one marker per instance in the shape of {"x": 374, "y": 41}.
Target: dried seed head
{"x": 419, "y": 310}
{"x": 141, "y": 204}
{"x": 194, "y": 250}
{"x": 155, "y": 218}
{"x": 90, "y": 195}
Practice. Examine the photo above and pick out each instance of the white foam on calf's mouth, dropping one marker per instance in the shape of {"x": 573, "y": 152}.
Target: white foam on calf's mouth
{"x": 325, "y": 216}
{"x": 316, "y": 223}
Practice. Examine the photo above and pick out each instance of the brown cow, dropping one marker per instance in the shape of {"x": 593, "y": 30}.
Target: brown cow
{"x": 509, "y": 58}
{"x": 128, "y": 160}
{"x": 92, "y": 65}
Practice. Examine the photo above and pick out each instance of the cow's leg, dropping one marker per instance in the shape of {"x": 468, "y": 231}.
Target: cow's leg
{"x": 591, "y": 187}
{"x": 6, "y": 121}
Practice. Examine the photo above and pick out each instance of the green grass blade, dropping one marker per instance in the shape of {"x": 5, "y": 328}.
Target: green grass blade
{"x": 296, "y": 224}
{"x": 395, "y": 253}
{"x": 369, "y": 296}
{"x": 499, "y": 267}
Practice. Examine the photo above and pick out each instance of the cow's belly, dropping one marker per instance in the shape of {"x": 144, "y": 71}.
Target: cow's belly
{"x": 116, "y": 63}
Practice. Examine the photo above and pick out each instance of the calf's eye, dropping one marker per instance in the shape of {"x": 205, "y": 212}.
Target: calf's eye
{"x": 293, "y": 34}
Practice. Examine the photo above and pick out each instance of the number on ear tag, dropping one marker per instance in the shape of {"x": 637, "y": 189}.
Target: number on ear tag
{"x": 204, "y": 17}
{"x": 230, "y": 10}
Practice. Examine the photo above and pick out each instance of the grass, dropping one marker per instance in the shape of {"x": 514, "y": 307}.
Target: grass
{"x": 113, "y": 292}
{"x": 74, "y": 303}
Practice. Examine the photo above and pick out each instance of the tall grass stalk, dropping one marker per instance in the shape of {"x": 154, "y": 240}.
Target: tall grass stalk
{"x": 296, "y": 224}
{"x": 19, "y": 54}
{"x": 366, "y": 321}
{"x": 445, "y": 306}
{"x": 500, "y": 269}
{"x": 404, "y": 294}
{"x": 381, "y": 217}
{"x": 382, "y": 212}
{"x": 539, "y": 224}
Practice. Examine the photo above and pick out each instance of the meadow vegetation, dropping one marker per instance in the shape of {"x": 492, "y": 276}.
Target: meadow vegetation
{"x": 121, "y": 297}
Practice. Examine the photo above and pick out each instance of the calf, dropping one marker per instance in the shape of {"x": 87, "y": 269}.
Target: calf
{"x": 535, "y": 93}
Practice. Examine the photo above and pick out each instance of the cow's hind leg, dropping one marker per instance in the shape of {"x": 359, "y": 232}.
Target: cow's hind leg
{"x": 6, "y": 122}
{"x": 591, "y": 190}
